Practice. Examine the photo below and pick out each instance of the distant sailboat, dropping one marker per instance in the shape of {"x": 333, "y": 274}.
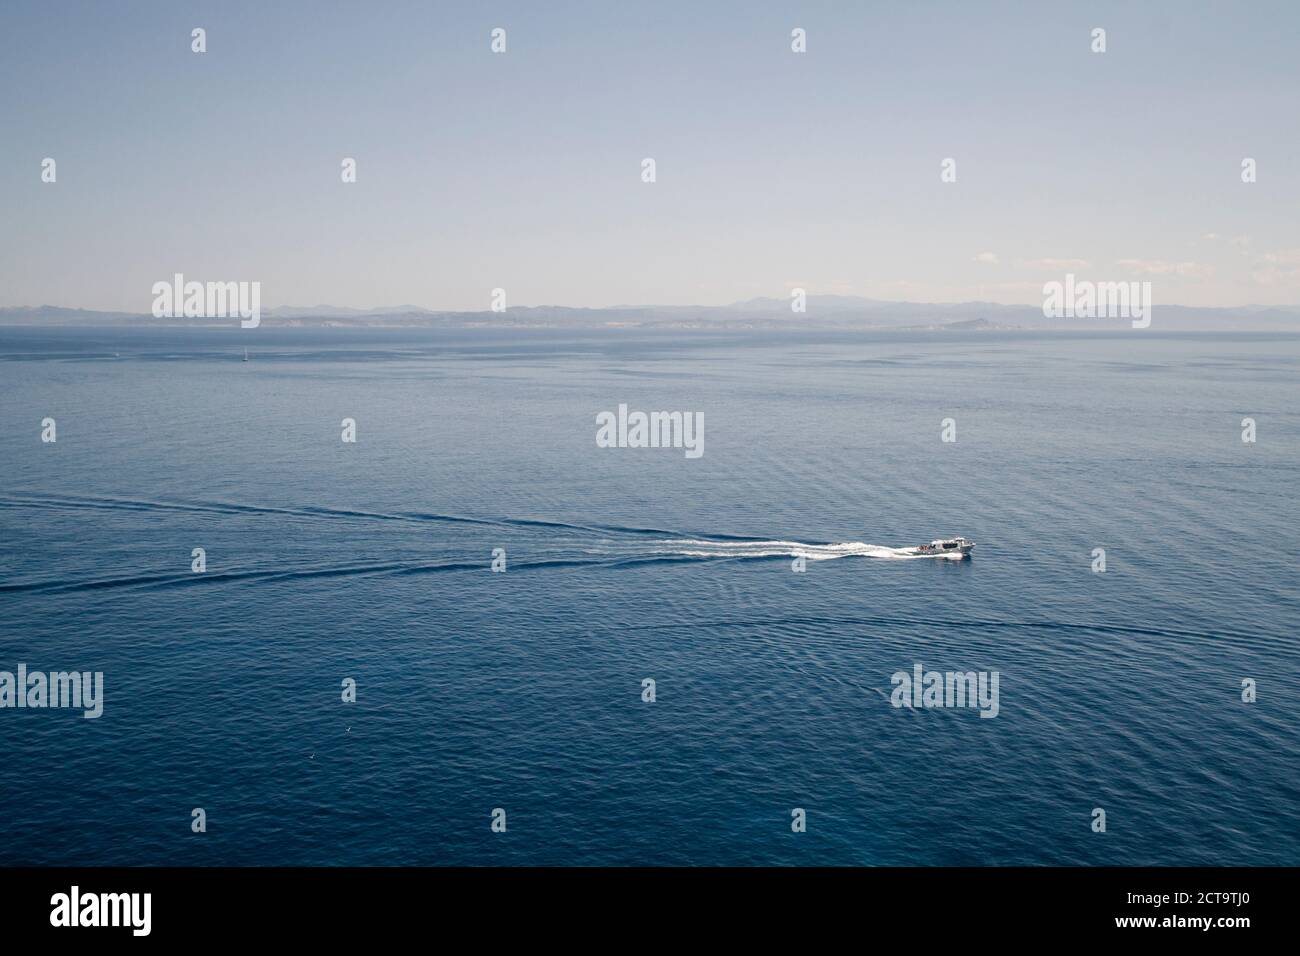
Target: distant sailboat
{"x": 245, "y": 355}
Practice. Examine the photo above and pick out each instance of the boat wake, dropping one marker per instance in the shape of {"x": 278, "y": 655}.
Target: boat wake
{"x": 534, "y": 543}
{"x": 703, "y": 548}
{"x": 658, "y": 541}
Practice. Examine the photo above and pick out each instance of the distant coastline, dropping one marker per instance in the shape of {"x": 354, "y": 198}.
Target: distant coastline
{"x": 844, "y": 313}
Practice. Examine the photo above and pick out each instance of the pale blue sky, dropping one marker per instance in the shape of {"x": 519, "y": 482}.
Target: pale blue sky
{"x": 522, "y": 170}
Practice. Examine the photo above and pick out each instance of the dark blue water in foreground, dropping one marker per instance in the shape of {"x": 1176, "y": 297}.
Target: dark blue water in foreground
{"x": 522, "y": 690}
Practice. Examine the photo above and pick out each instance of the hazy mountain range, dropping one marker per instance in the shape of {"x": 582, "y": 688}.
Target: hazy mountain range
{"x": 823, "y": 312}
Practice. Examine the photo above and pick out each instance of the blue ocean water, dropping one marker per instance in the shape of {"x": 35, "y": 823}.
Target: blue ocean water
{"x": 1119, "y": 690}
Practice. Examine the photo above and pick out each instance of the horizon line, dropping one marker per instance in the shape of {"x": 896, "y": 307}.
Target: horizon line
{"x": 411, "y": 307}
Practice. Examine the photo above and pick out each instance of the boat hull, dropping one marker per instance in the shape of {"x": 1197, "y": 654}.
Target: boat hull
{"x": 937, "y": 551}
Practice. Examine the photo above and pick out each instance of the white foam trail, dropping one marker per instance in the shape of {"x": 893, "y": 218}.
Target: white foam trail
{"x": 693, "y": 547}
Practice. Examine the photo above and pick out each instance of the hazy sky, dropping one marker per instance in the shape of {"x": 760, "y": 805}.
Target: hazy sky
{"x": 523, "y": 170}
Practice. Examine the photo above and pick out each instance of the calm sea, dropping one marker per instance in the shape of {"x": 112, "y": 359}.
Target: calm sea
{"x": 522, "y": 690}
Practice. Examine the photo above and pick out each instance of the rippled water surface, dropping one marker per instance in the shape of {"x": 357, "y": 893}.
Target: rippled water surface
{"x": 522, "y": 690}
